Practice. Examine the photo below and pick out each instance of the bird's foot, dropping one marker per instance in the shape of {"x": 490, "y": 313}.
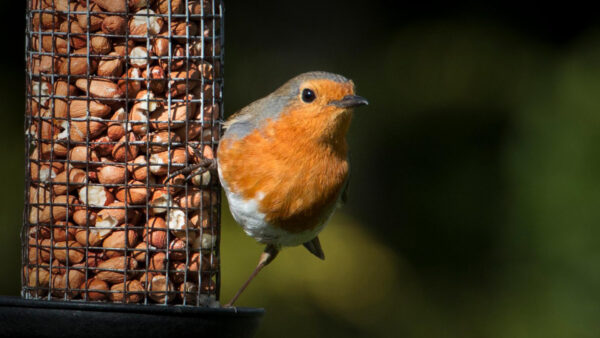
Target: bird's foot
{"x": 199, "y": 168}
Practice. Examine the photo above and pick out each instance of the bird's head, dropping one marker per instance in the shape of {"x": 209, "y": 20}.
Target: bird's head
{"x": 320, "y": 103}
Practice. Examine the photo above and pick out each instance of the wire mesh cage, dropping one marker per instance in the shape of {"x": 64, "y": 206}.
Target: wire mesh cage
{"x": 121, "y": 95}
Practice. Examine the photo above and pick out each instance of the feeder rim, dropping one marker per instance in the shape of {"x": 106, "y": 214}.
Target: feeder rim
{"x": 174, "y": 310}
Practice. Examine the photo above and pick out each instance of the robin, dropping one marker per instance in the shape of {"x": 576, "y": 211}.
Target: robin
{"x": 283, "y": 162}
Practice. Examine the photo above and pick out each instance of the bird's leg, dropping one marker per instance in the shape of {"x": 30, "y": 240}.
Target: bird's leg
{"x": 265, "y": 258}
{"x": 205, "y": 164}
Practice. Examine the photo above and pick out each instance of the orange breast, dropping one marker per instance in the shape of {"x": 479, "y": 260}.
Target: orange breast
{"x": 298, "y": 176}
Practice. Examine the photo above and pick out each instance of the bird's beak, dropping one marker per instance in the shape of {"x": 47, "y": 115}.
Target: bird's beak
{"x": 350, "y": 101}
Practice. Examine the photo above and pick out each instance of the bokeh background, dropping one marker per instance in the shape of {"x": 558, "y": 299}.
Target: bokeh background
{"x": 473, "y": 207}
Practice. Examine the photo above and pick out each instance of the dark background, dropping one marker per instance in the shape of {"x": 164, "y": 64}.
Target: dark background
{"x": 473, "y": 207}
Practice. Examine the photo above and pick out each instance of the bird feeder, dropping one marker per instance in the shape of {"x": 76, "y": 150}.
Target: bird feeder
{"x": 120, "y": 97}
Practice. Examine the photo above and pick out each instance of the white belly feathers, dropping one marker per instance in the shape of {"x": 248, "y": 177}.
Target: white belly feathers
{"x": 246, "y": 213}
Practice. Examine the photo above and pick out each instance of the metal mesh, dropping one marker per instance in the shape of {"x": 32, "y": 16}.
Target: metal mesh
{"x": 120, "y": 95}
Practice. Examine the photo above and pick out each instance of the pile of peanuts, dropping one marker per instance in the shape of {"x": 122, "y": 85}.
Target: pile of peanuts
{"x": 121, "y": 95}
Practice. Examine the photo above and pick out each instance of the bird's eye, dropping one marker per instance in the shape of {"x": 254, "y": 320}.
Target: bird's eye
{"x": 308, "y": 95}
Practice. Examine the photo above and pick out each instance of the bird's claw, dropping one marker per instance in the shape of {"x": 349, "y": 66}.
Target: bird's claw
{"x": 190, "y": 171}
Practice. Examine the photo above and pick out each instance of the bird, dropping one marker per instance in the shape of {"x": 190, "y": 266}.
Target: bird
{"x": 283, "y": 163}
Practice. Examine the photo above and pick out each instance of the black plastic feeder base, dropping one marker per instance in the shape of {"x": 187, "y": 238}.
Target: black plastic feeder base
{"x": 37, "y": 318}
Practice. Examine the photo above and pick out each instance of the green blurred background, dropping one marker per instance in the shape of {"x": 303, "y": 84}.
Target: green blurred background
{"x": 476, "y": 169}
